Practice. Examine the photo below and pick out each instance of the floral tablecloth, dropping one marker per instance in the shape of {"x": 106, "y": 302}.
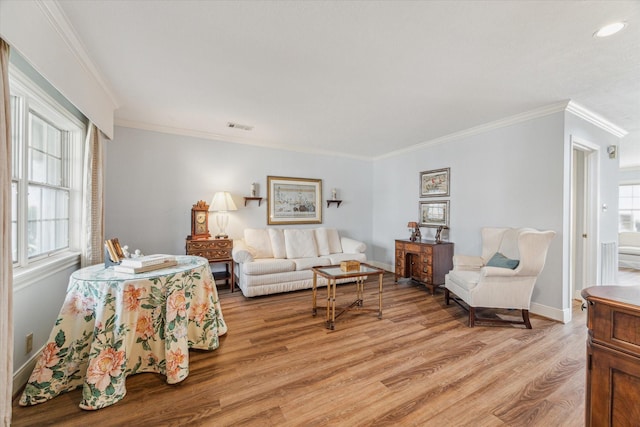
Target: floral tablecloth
{"x": 113, "y": 325}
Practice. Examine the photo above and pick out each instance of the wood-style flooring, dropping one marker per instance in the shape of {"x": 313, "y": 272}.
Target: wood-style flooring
{"x": 418, "y": 366}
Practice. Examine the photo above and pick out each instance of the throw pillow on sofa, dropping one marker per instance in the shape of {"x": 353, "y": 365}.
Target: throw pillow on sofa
{"x": 300, "y": 243}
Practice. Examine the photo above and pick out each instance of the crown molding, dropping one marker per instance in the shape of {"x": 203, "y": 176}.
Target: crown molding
{"x": 476, "y": 130}
{"x": 230, "y": 138}
{"x": 55, "y": 15}
{"x": 595, "y": 119}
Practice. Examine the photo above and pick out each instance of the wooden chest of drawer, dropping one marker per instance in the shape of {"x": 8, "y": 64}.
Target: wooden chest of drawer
{"x": 424, "y": 261}
{"x": 213, "y": 250}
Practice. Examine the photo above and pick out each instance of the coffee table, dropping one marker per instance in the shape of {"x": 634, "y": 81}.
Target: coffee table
{"x": 333, "y": 273}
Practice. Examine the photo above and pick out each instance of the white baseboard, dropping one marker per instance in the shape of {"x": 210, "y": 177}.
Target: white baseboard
{"x": 23, "y": 373}
{"x": 561, "y": 315}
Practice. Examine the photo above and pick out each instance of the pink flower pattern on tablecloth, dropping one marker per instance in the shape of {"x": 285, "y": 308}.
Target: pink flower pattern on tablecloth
{"x": 91, "y": 345}
{"x": 106, "y": 366}
{"x": 176, "y": 305}
{"x": 144, "y": 327}
{"x": 47, "y": 360}
{"x": 131, "y": 297}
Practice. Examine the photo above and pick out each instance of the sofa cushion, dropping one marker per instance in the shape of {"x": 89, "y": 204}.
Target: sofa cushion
{"x": 300, "y": 243}
{"x": 259, "y": 242}
{"x": 268, "y": 266}
{"x": 322, "y": 240}
{"x": 277, "y": 243}
{"x": 307, "y": 263}
{"x": 335, "y": 247}
{"x": 499, "y": 260}
{"x": 629, "y": 250}
{"x": 465, "y": 279}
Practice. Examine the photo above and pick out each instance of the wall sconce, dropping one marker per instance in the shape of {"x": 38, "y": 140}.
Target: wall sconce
{"x": 415, "y": 231}
{"x": 222, "y": 203}
{"x": 613, "y": 151}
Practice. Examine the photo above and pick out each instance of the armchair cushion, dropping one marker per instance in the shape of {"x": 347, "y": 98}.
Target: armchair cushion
{"x": 499, "y": 260}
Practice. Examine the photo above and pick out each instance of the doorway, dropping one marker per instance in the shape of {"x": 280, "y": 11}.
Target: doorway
{"x": 584, "y": 216}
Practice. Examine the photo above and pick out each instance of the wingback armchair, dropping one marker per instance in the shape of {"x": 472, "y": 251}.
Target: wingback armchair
{"x": 503, "y": 276}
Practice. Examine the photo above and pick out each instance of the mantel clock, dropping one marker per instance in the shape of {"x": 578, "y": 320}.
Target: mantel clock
{"x": 200, "y": 221}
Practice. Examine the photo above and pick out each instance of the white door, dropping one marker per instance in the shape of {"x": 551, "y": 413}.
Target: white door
{"x": 584, "y": 225}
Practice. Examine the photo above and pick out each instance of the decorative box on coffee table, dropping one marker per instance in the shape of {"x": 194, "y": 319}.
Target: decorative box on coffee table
{"x": 424, "y": 261}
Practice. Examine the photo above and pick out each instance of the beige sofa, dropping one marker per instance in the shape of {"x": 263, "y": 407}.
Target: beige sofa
{"x": 278, "y": 260}
{"x": 629, "y": 249}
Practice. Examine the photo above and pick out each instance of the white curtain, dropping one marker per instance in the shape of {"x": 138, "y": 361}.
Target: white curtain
{"x": 92, "y": 199}
{"x": 6, "y": 262}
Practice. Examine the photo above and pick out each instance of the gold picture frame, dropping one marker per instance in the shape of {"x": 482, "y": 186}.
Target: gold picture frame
{"x": 294, "y": 200}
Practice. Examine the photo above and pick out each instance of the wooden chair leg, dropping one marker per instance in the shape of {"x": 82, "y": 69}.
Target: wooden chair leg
{"x": 446, "y": 296}
{"x": 525, "y": 317}
{"x": 472, "y": 317}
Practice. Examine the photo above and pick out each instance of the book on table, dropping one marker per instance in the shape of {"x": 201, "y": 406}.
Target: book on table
{"x": 133, "y": 270}
{"x": 147, "y": 260}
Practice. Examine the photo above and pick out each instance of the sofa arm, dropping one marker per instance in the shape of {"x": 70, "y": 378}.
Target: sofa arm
{"x": 351, "y": 246}
{"x": 241, "y": 252}
{"x": 466, "y": 262}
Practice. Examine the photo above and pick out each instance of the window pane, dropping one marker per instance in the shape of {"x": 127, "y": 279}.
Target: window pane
{"x": 625, "y": 191}
{"x": 37, "y": 166}
{"x": 14, "y": 221}
{"x": 38, "y": 133}
{"x": 48, "y": 220}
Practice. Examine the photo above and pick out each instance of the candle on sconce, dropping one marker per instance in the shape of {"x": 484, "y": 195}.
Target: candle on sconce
{"x": 253, "y": 189}
{"x": 334, "y": 193}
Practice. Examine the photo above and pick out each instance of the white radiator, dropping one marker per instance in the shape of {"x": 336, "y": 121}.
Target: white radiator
{"x": 609, "y": 263}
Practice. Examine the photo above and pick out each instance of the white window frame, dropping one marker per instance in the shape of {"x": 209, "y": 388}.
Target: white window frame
{"x": 37, "y": 100}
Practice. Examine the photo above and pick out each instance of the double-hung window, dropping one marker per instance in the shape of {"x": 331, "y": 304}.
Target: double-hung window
{"x": 46, "y": 173}
{"x": 629, "y": 207}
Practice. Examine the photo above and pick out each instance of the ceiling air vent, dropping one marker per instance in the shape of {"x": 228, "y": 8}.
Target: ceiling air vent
{"x": 239, "y": 126}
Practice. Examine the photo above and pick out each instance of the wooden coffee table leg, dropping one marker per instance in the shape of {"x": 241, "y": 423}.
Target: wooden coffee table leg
{"x": 314, "y": 306}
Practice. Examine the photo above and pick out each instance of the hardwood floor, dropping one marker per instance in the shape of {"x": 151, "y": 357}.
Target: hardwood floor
{"x": 420, "y": 365}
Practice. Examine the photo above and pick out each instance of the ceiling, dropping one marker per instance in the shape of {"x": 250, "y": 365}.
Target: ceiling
{"x": 358, "y": 78}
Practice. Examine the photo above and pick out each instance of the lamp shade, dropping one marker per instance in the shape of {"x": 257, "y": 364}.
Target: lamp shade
{"x": 222, "y": 202}
{"x": 412, "y": 224}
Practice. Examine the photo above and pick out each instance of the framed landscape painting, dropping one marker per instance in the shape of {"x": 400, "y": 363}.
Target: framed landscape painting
{"x": 434, "y": 183}
{"x": 434, "y": 214}
{"x": 294, "y": 200}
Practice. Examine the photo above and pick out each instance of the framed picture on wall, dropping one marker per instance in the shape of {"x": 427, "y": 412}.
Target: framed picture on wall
{"x": 434, "y": 214}
{"x": 294, "y": 200}
{"x": 435, "y": 183}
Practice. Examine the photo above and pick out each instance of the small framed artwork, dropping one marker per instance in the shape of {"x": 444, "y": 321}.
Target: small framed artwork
{"x": 434, "y": 183}
{"x": 294, "y": 200}
{"x": 434, "y": 214}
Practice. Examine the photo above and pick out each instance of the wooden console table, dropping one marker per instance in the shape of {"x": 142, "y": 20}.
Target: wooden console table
{"x": 613, "y": 356}
{"x": 424, "y": 261}
{"x": 216, "y": 251}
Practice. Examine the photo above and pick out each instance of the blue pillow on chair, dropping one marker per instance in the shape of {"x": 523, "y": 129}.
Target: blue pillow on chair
{"x": 499, "y": 260}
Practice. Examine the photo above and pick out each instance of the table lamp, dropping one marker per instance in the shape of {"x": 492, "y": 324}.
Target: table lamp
{"x": 415, "y": 231}
{"x": 222, "y": 203}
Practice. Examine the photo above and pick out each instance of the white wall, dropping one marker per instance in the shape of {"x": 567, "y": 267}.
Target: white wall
{"x": 511, "y": 176}
{"x": 153, "y": 179}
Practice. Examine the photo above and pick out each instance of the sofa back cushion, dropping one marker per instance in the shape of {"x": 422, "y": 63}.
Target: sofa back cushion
{"x": 335, "y": 247}
{"x": 300, "y": 243}
{"x": 259, "y": 242}
{"x": 322, "y": 240}
{"x": 277, "y": 243}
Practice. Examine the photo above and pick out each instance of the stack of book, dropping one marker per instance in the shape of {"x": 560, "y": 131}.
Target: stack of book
{"x": 145, "y": 263}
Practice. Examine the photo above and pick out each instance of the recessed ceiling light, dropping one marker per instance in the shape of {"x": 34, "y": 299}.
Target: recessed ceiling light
{"x": 609, "y": 30}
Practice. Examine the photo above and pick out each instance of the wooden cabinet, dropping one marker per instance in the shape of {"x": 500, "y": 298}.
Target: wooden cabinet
{"x": 424, "y": 261}
{"x": 216, "y": 251}
{"x": 613, "y": 356}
